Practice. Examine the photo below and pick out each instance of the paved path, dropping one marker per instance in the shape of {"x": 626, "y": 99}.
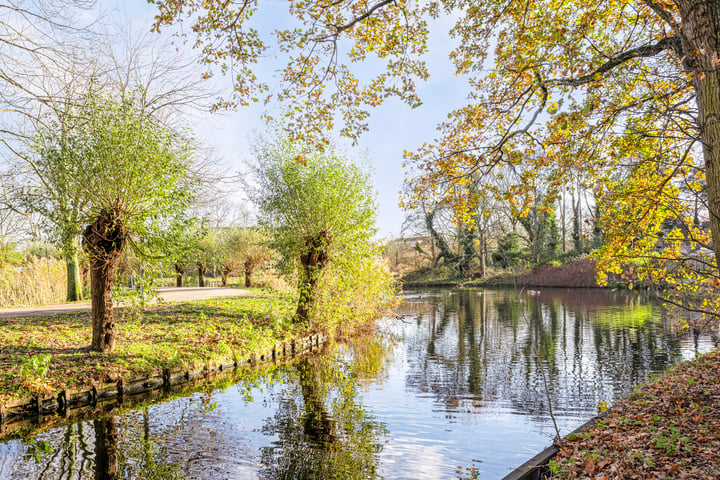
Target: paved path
{"x": 169, "y": 294}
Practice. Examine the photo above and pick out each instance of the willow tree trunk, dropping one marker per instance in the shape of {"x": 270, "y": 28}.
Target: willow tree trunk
{"x": 201, "y": 275}
{"x": 178, "y": 276}
{"x": 248, "y": 266}
{"x": 225, "y": 274}
{"x": 701, "y": 49}
{"x": 74, "y": 280}
{"x": 102, "y": 277}
{"x": 104, "y": 240}
{"x": 312, "y": 261}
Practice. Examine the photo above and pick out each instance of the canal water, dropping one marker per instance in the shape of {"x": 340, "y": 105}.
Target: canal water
{"x": 458, "y": 386}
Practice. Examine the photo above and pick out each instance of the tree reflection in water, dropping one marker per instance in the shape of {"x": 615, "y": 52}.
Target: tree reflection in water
{"x": 474, "y": 348}
{"x": 463, "y": 396}
{"x": 106, "y": 448}
{"x": 323, "y": 429}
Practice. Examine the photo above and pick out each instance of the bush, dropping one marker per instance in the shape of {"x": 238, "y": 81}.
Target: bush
{"x": 354, "y": 294}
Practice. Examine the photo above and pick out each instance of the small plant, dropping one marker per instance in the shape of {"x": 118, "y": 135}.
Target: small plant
{"x": 554, "y": 466}
{"x": 36, "y": 449}
{"x": 33, "y": 372}
{"x": 36, "y": 366}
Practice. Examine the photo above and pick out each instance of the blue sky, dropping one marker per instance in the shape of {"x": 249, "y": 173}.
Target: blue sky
{"x": 393, "y": 127}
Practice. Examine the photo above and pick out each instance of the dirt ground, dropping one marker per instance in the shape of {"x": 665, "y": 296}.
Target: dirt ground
{"x": 579, "y": 273}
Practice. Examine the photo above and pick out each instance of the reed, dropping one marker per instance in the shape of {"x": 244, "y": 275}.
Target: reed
{"x": 39, "y": 281}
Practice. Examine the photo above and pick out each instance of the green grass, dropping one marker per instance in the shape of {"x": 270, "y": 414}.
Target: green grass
{"x": 171, "y": 335}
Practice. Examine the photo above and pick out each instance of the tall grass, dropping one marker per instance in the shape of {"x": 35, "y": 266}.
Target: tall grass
{"x": 40, "y": 281}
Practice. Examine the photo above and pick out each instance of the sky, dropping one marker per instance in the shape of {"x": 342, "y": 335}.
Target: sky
{"x": 393, "y": 127}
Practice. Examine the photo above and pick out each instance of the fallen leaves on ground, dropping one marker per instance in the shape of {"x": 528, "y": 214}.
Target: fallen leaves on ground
{"x": 668, "y": 428}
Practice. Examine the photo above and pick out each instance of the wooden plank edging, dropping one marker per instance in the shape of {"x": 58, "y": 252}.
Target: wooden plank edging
{"x": 17, "y": 409}
{"x": 534, "y": 468}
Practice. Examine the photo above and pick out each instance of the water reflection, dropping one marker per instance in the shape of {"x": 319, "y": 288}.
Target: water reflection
{"x": 322, "y": 428}
{"x": 481, "y": 347}
{"x": 106, "y": 448}
{"x": 452, "y": 389}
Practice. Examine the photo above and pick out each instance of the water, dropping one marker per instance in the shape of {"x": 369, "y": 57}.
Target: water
{"x": 454, "y": 388}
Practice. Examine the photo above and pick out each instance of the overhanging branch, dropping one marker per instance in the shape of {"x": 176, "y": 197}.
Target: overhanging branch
{"x": 645, "y": 51}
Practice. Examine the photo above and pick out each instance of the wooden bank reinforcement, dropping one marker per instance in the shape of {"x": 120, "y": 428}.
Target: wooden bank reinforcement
{"x": 16, "y": 412}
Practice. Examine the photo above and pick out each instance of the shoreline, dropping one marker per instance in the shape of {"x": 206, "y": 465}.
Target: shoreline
{"x": 17, "y": 413}
{"x": 45, "y": 354}
{"x": 668, "y": 426}
{"x": 576, "y": 274}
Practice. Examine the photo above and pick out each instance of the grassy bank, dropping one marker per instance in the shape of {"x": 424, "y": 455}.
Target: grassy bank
{"x": 667, "y": 428}
{"x": 43, "y": 354}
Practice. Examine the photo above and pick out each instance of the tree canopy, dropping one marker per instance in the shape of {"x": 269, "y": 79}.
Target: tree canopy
{"x": 620, "y": 96}
{"x": 127, "y": 177}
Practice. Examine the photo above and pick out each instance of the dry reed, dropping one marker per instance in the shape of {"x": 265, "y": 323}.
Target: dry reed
{"x": 41, "y": 281}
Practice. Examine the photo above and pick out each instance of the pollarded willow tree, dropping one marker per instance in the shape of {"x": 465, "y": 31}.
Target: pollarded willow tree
{"x": 621, "y": 95}
{"x": 133, "y": 177}
{"x": 319, "y": 209}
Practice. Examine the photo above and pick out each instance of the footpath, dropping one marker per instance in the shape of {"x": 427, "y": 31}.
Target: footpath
{"x": 168, "y": 294}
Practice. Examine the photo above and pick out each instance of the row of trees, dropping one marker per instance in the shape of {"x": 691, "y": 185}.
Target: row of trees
{"x": 129, "y": 183}
{"x": 97, "y": 156}
{"x": 499, "y": 234}
{"x": 225, "y": 250}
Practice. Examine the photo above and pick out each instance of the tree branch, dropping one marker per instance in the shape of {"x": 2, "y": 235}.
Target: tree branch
{"x": 645, "y": 51}
{"x": 341, "y": 28}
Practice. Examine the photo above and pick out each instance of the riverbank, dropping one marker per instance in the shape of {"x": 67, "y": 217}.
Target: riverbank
{"x": 48, "y": 353}
{"x": 579, "y": 273}
{"x": 667, "y": 428}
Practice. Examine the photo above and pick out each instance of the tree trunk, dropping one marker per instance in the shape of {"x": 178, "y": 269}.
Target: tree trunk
{"x": 312, "y": 261}
{"x": 178, "y": 275}
{"x": 74, "y": 280}
{"x": 104, "y": 241}
{"x": 701, "y": 44}
{"x": 577, "y": 222}
{"x": 201, "y": 275}
{"x": 483, "y": 266}
{"x": 106, "y": 446}
{"x": 225, "y": 274}
{"x": 103, "y": 316}
{"x": 439, "y": 240}
{"x": 248, "y": 273}
{"x": 564, "y": 227}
